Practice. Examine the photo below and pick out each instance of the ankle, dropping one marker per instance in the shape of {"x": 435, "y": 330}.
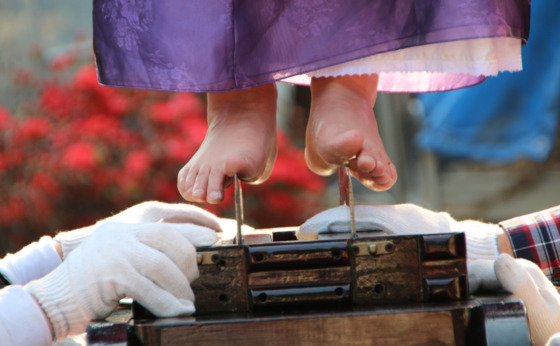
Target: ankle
{"x": 248, "y": 104}
{"x": 362, "y": 86}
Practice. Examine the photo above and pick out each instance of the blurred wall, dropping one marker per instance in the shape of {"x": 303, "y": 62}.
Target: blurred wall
{"x": 31, "y": 27}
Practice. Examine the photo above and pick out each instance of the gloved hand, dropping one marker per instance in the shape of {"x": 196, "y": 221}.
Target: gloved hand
{"x": 30, "y": 263}
{"x": 482, "y": 277}
{"x": 152, "y": 263}
{"x": 554, "y": 340}
{"x": 525, "y": 280}
{"x": 404, "y": 219}
{"x": 144, "y": 212}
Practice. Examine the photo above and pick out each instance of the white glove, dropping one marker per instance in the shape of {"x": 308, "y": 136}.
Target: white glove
{"x": 554, "y": 340}
{"x": 482, "y": 276}
{"x": 525, "y": 280}
{"x": 404, "y": 219}
{"x": 144, "y": 212}
{"x": 30, "y": 263}
{"x": 152, "y": 263}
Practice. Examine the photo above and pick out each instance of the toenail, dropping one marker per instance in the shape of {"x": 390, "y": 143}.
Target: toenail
{"x": 214, "y": 196}
{"x": 198, "y": 193}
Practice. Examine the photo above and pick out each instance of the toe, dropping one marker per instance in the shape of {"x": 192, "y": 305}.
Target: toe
{"x": 200, "y": 185}
{"x": 344, "y": 148}
{"x": 185, "y": 182}
{"x": 367, "y": 164}
{"x": 215, "y": 187}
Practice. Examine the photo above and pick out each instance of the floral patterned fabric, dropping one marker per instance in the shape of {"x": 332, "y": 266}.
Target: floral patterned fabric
{"x": 221, "y": 45}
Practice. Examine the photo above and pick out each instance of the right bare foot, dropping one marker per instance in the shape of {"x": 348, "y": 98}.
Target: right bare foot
{"x": 342, "y": 130}
{"x": 241, "y": 139}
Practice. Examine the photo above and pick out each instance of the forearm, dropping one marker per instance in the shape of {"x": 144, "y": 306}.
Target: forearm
{"x": 534, "y": 237}
{"x": 504, "y": 245}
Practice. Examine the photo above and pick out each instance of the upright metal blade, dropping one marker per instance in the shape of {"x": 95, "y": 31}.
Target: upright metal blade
{"x": 347, "y": 195}
{"x": 343, "y": 186}
{"x": 238, "y": 210}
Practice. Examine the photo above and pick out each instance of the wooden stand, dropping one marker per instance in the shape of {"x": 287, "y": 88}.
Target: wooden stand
{"x": 368, "y": 290}
{"x": 492, "y": 320}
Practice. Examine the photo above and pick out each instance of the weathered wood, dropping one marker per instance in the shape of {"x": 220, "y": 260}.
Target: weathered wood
{"x": 387, "y": 278}
{"x": 471, "y": 322}
{"x": 297, "y": 277}
{"x": 382, "y": 290}
{"x": 366, "y": 271}
{"x": 222, "y": 285}
{"x": 426, "y": 328}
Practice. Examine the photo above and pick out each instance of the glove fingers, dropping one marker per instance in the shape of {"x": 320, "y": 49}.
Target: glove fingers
{"x": 177, "y": 251}
{"x": 537, "y": 274}
{"x": 153, "y": 211}
{"x": 337, "y": 220}
{"x": 482, "y": 276}
{"x": 554, "y": 340}
{"x": 156, "y": 299}
{"x": 513, "y": 277}
{"x": 392, "y": 219}
{"x": 160, "y": 270}
{"x": 197, "y": 235}
{"x": 320, "y": 222}
{"x": 187, "y": 213}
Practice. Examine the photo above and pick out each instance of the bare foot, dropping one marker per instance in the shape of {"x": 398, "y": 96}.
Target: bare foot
{"x": 241, "y": 139}
{"x": 342, "y": 130}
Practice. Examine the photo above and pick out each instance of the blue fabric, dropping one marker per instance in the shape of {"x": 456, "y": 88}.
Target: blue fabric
{"x": 508, "y": 117}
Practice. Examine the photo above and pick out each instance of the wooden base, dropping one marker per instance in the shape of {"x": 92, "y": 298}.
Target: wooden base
{"x": 497, "y": 320}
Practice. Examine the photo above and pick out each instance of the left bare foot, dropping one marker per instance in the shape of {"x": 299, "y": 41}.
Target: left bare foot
{"x": 241, "y": 139}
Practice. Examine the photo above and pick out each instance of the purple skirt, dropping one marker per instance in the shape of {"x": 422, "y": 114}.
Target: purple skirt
{"x": 222, "y": 45}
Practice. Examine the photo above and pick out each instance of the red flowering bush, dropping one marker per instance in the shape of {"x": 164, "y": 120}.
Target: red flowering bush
{"x": 78, "y": 152}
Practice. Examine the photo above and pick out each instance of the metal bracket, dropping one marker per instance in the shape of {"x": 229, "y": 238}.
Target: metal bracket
{"x": 373, "y": 248}
{"x": 347, "y": 195}
{"x": 238, "y": 210}
{"x": 207, "y": 257}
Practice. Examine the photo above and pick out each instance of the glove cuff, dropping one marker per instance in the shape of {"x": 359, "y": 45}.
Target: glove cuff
{"x": 72, "y": 239}
{"x": 56, "y": 298}
{"x": 30, "y": 263}
{"x": 481, "y": 239}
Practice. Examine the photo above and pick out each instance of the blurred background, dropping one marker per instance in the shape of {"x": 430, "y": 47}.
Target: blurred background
{"x": 72, "y": 152}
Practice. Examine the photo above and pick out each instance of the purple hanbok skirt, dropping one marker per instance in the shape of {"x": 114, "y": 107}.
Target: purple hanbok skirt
{"x": 222, "y": 45}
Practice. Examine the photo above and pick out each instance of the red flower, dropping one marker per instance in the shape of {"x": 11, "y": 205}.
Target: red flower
{"x": 63, "y": 61}
{"x": 162, "y": 114}
{"x": 5, "y": 118}
{"x": 194, "y": 129}
{"x": 116, "y": 103}
{"x": 166, "y": 190}
{"x": 86, "y": 78}
{"x": 12, "y": 210}
{"x": 180, "y": 107}
{"x": 137, "y": 164}
{"x": 179, "y": 149}
{"x": 100, "y": 125}
{"x": 187, "y": 105}
{"x": 43, "y": 182}
{"x": 56, "y": 100}
{"x": 82, "y": 151}
{"x": 34, "y": 128}
{"x": 80, "y": 156}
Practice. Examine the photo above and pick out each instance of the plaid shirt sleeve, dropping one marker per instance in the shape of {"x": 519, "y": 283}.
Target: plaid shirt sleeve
{"x": 536, "y": 238}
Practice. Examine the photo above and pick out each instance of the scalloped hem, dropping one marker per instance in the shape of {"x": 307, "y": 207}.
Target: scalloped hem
{"x": 432, "y": 67}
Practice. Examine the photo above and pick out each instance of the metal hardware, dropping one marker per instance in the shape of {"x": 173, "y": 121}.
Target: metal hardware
{"x": 347, "y": 195}
{"x": 209, "y": 257}
{"x": 373, "y": 248}
{"x": 238, "y": 211}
